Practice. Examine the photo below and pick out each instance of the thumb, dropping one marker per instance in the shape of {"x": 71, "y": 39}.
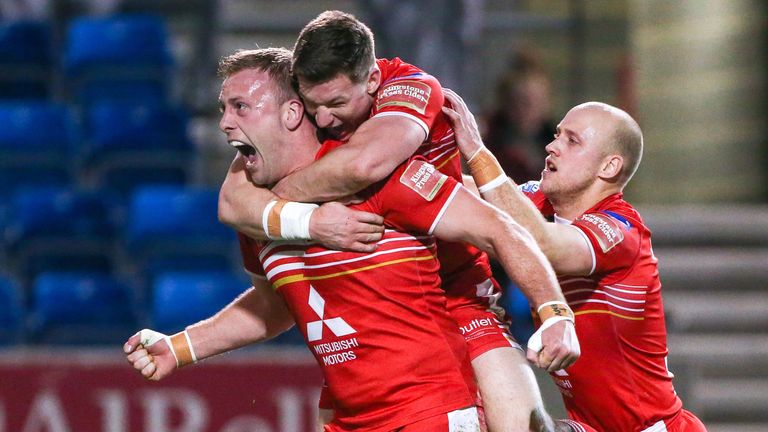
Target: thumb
{"x": 149, "y": 337}
{"x": 132, "y": 343}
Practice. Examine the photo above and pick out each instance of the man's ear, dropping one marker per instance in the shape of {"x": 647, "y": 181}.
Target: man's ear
{"x": 293, "y": 113}
{"x": 611, "y": 168}
{"x": 374, "y": 80}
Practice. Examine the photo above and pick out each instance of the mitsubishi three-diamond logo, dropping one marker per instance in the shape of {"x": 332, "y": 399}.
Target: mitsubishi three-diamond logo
{"x": 337, "y": 325}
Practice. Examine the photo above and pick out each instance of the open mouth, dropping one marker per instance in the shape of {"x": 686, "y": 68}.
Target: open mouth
{"x": 244, "y": 149}
{"x": 550, "y": 166}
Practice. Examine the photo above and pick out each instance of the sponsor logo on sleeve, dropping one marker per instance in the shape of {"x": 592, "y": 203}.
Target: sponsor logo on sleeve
{"x": 423, "y": 178}
{"x": 529, "y": 187}
{"x": 605, "y": 229}
{"x": 409, "y": 94}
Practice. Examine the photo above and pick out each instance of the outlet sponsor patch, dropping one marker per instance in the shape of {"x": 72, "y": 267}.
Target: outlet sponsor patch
{"x": 410, "y": 94}
{"x": 423, "y": 178}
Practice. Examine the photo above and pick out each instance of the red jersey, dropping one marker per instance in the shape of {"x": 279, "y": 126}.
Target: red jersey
{"x": 620, "y": 382}
{"x": 408, "y": 91}
{"x": 376, "y": 323}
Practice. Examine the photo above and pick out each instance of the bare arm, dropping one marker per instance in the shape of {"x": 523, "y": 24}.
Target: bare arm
{"x": 256, "y": 315}
{"x": 241, "y": 205}
{"x": 372, "y": 153}
{"x": 564, "y": 246}
{"x": 493, "y": 231}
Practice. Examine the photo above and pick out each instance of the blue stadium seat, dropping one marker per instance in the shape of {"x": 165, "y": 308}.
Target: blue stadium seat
{"x": 37, "y": 142}
{"x": 118, "y": 57}
{"x": 183, "y": 298}
{"x": 11, "y": 312}
{"x": 133, "y": 144}
{"x": 25, "y": 59}
{"x": 60, "y": 229}
{"x": 81, "y": 308}
{"x": 177, "y": 228}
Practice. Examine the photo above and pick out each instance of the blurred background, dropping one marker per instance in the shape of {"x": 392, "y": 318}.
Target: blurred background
{"x": 111, "y": 158}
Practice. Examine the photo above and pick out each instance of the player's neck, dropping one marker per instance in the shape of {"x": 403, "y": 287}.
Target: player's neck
{"x": 571, "y": 206}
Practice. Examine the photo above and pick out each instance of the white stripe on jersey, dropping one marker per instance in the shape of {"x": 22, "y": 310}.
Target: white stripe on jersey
{"x": 603, "y": 292}
{"x": 367, "y": 256}
{"x": 631, "y": 286}
{"x": 608, "y": 303}
{"x": 283, "y": 268}
{"x": 292, "y": 253}
{"x": 418, "y": 121}
{"x": 445, "y": 207}
{"x": 433, "y": 159}
{"x": 643, "y": 292}
{"x": 427, "y": 148}
{"x": 574, "y": 425}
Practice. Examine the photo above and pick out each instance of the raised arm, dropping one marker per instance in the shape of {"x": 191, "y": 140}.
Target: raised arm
{"x": 255, "y": 316}
{"x": 242, "y": 205}
{"x": 378, "y": 146}
{"x": 495, "y": 232}
{"x": 566, "y": 249}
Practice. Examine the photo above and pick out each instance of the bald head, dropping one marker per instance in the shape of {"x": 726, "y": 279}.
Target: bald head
{"x": 622, "y": 135}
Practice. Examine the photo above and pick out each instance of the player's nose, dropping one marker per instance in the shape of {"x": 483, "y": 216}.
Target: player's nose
{"x": 323, "y": 117}
{"x": 550, "y": 148}
{"x": 225, "y": 123}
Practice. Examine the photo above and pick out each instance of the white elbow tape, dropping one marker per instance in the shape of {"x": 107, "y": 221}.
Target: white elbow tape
{"x": 179, "y": 344}
{"x": 287, "y": 220}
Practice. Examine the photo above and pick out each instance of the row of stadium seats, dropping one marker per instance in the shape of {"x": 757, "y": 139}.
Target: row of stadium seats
{"x": 160, "y": 228}
{"x": 82, "y": 308}
{"x": 116, "y": 146}
{"x": 121, "y": 57}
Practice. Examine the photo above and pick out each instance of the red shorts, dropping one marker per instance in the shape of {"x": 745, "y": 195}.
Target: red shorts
{"x": 685, "y": 422}
{"x": 474, "y": 307}
{"x": 460, "y": 420}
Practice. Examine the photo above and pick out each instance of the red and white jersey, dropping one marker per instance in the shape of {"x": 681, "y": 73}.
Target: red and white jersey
{"x": 410, "y": 92}
{"x": 376, "y": 323}
{"x": 620, "y": 382}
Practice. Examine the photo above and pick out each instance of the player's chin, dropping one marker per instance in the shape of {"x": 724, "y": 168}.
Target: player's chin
{"x": 256, "y": 174}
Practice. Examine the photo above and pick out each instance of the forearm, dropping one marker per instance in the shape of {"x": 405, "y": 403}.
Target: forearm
{"x": 377, "y": 147}
{"x": 241, "y": 207}
{"x": 506, "y": 196}
{"x": 330, "y": 178}
{"x": 526, "y": 264}
{"x": 253, "y": 317}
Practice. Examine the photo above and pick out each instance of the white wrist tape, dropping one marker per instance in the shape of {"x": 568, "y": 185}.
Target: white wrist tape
{"x": 493, "y": 184}
{"x": 179, "y": 344}
{"x": 265, "y": 219}
{"x": 534, "y": 342}
{"x": 287, "y": 220}
{"x": 550, "y": 303}
{"x": 294, "y": 220}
